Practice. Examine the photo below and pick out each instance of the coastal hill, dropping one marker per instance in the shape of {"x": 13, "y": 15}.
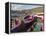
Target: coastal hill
{"x": 27, "y": 11}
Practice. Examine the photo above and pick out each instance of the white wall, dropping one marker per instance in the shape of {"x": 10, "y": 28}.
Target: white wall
{"x": 2, "y": 18}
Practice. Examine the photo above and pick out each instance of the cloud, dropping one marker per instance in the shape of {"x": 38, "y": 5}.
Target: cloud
{"x": 21, "y": 7}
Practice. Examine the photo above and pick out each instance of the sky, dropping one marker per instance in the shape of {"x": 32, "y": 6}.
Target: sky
{"x": 21, "y": 7}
